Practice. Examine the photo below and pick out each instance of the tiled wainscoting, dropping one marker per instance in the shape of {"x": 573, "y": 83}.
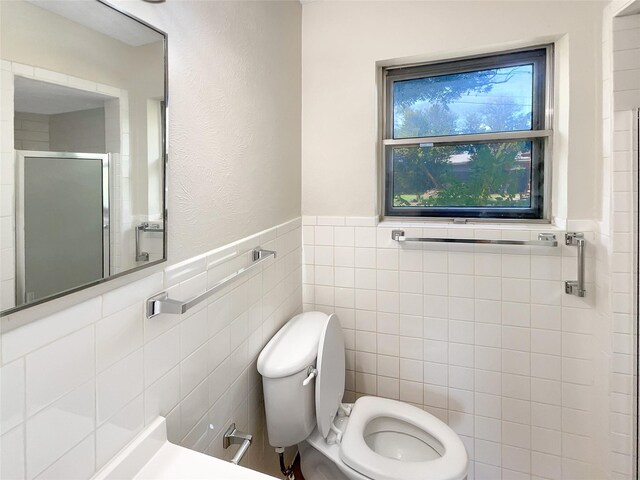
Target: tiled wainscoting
{"x": 79, "y": 384}
{"x": 484, "y": 337}
{"x": 617, "y": 334}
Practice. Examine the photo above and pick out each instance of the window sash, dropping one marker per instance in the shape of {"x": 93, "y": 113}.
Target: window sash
{"x": 535, "y": 211}
{"x": 470, "y": 138}
{"x": 538, "y": 56}
{"x": 540, "y": 134}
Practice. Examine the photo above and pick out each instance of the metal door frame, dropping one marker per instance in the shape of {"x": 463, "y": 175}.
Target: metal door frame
{"x": 19, "y": 209}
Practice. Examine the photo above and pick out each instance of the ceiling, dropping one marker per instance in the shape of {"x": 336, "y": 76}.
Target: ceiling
{"x": 103, "y": 19}
{"x": 33, "y": 96}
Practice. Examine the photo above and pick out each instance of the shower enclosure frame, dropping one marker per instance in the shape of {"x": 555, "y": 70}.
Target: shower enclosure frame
{"x": 636, "y": 288}
{"x": 21, "y": 155}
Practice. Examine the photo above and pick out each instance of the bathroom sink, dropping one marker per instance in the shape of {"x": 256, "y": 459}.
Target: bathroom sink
{"x": 150, "y": 456}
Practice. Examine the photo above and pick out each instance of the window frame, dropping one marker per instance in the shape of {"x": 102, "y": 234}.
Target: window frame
{"x": 540, "y": 135}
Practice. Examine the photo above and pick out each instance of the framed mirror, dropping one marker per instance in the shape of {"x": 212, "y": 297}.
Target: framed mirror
{"x": 83, "y": 95}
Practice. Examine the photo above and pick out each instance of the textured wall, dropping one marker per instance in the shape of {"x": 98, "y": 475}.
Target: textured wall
{"x": 234, "y": 116}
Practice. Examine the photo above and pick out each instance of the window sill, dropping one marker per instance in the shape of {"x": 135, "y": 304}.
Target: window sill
{"x": 472, "y": 225}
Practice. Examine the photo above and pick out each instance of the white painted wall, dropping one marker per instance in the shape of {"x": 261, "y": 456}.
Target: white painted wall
{"x": 81, "y": 131}
{"x": 344, "y": 41}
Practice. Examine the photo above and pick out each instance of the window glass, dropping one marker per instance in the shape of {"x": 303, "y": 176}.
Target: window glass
{"x": 493, "y": 100}
{"x": 489, "y": 175}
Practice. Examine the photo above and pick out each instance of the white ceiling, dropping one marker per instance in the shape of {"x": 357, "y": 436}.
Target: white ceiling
{"x": 33, "y": 96}
{"x": 103, "y": 19}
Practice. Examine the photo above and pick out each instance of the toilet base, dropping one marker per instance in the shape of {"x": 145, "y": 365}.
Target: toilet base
{"x": 315, "y": 466}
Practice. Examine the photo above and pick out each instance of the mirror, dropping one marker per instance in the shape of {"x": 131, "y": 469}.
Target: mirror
{"x": 82, "y": 147}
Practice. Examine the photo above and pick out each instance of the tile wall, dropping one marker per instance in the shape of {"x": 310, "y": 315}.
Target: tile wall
{"x": 621, "y": 97}
{"x": 31, "y": 131}
{"x": 78, "y": 385}
{"x": 483, "y": 337}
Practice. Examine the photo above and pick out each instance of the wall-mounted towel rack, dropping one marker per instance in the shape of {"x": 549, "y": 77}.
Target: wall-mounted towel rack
{"x": 161, "y": 303}
{"x": 544, "y": 240}
{"x": 576, "y": 287}
{"x": 145, "y": 227}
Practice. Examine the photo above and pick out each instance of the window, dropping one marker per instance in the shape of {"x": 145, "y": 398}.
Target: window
{"x": 468, "y": 138}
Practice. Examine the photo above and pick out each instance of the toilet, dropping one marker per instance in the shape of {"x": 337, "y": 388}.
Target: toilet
{"x": 303, "y": 377}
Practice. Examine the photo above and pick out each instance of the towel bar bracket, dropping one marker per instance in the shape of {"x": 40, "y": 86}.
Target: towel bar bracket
{"x": 161, "y": 303}
{"x": 576, "y": 287}
{"x": 233, "y": 436}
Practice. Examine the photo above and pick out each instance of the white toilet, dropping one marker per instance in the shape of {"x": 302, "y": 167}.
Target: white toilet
{"x": 303, "y": 372}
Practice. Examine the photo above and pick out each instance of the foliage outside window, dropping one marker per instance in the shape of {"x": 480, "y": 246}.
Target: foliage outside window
{"x": 467, "y": 138}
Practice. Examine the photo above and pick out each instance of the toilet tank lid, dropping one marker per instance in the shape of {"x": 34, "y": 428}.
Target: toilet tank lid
{"x": 294, "y": 347}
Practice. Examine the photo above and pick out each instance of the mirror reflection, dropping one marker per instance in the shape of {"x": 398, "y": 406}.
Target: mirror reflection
{"x": 82, "y": 99}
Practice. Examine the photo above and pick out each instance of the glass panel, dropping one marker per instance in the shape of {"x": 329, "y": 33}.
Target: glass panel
{"x": 495, "y": 100}
{"x": 487, "y": 175}
{"x": 85, "y": 138}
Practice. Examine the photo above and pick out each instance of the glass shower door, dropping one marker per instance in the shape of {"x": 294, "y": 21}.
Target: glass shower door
{"x": 63, "y": 222}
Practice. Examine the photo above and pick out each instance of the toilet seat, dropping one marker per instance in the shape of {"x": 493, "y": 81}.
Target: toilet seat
{"x": 430, "y": 449}
{"x": 451, "y": 463}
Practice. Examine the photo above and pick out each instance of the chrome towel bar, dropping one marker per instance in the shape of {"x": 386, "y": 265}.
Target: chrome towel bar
{"x": 161, "y": 303}
{"x": 544, "y": 240}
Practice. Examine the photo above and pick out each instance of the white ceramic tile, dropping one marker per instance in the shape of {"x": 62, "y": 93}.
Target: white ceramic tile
{"x": 185, "y": 270}
{"x": 323, "y": 235}
{"x": 118, "y": 335}
{"x": 162, "y": 396}
{"x": 487, "y": 358}
{"x": 118, "y": 385}
{"x": 80, "y": 460}
{"x": 436, "y": 351}
{"x": 344, "y": 236}
{"x": 388, "y": 387}
{"x": 194, "y": 370}
{"x": 387, "y": 259}
{"x": 365, "y": 257}
{"x": 12, "y": 395}
{"x": 32, "y": 336}
{"x": 193, "y": 332}
{"x": 58, "y": 368}
{"x": 125, "y": 296}
{"x": 161, "y": 355}
{"x": 119, "y": 430}
{"x": 460, "y": 308}
{"x": 367, "y": 320}
{"x": 516, "y": 290}
{"x": 55, "y": 430}
{"x": 365, "y": 237}
{"x": 12, "y": 454}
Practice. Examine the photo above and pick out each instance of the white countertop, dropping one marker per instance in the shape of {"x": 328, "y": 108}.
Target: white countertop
{"x": 150, "y": 456}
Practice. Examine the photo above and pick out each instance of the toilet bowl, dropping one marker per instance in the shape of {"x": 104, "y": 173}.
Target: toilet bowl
{"x": 373, "y": 438}
{"x": 385, "y": 440}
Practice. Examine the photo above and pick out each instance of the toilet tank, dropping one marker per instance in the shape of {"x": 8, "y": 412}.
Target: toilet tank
{"x": 283, "y": 364}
